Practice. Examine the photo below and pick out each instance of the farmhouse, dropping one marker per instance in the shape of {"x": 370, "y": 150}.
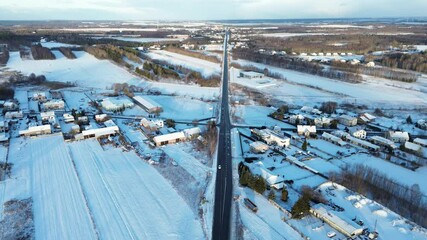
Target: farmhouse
{"x": 54, "y": 105}
{"x": 148, "y": 105}
{"x": 169, "y": 138}
{"x": 306, "y": 130}
{"x": 36, "y": 130}
{"x": 345, "y": 227}
{"x": 347, "y": 120}
{"x": 258, "y": 147}
{"x": 271, "y": 138}
{"x": 251, "y": 74}
{"x": 398, "y": 137}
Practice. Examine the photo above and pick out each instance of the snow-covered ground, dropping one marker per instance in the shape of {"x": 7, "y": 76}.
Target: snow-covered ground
{"x": 370, "y": 91}
{"x": 86, "y": 70}
{"x": 120, "y": 187}
{"x": 53, "y": 44}
{"x": 206, "y": 68}
{"x": 253, "y": 115}
{"x": 140, "y": 39}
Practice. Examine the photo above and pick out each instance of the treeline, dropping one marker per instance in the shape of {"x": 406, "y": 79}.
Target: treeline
{"x": 376, "y": 72}
{"x": 247, "y": 179}
{"x": 6, "y": 92}
{"x": 113, "y": 53}
{"x": 356, "y": 43}
{"x": 193, "y": 54}
{"x": 415, "y": 62}
{"x": 4, "y": 56}
{"x": 67, "y": 53}
{"x": 407, "y": 201}
{"x": 156, "y": 71}
{"x": 297, "y": 65}
{"x": 41, "y": 53}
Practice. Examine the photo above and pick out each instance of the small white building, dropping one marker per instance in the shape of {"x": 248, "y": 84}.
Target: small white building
{"x": 14, "y": 115}
{"x": 383, "y": 142}
{"x": 334, "y": 139}
{"x": 370, "y": 64}
{"x": 322, "y": 121}
{"x": 294, "y": 119}
{"x": 259, "y": 147}
{"x": 39, "y": 96}
{"x": 192, "y": 133}
{"x": 68, "y": 117}
{"x": 101, "y": 117}
{"x": 98, "y": 132}
{"x": 48, "y": 117}
{"x": 272, "y": 138}
{"x": 421, "y": 142}
{"x": 347, "y": 120}
{"x": 398, "y": 137}
{"x": 414, "y": 147}
{"x": 54, "y": 105}
{"x": 251, "y": 74}
{"x": 9, "y": 105}
{"x": 306, "y": 130}
{"x": 357, "y": 132}
{"x": 36, "y": 130}
{"x": 366, "y": 118}
{"x": 147, "y": 104}
{"x": 169, "y": 138}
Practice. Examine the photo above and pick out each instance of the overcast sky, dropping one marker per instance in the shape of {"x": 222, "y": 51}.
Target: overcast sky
{"x": 206, "y": 9}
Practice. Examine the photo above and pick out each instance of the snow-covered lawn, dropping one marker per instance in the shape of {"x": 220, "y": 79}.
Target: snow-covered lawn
{"x": 257, "y": 116}
{"x": 129, "y": 198}
{"x": 184, "y": 89}
{"x": 206, "y": 68}
{"x": 184, "y": 108}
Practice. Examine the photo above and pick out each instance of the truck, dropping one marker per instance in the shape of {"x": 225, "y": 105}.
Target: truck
{"x": 249, "y": 204}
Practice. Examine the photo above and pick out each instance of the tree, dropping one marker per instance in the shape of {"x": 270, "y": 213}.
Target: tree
{"x": 328, "y": 107}
{"x": 244, "y": 178}
{"x": 284, "y": 196}
{"x": 257, "y": 183}
{"x": 334, "y": 124}
{"x": 271, "y": 195}
{"x": 409, "y": 120}
{"x": 304, "y": 145}
{"x": 170, "y": 123}
{"x": 301, "y": 207}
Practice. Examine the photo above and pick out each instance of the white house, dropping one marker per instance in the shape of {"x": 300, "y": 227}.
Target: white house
{"x": 347, "y": 120}
{"x": 36, "y": 130}
{"x": 357, "y": 132}
{"x": 68, "y": 117}
{"x": 322, "y": 121}
{"x": 54, "y": 105}
{"x": 306, "y": 130}
{"x": 370, "y": 64}
{"x": 294, "y": 119}
{"x": 414, "y": 147}
{"x": 258, "y": 147}
{"x": 271, "y": 138}
{"x": 397, "y": 136}
{"x": 147, "y": 104}
{"x": 9, "y": 105}
{"x": 98, "y": 132}
{"x": 39, "y": 96}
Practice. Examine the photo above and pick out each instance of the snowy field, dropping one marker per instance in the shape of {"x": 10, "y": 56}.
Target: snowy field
{"x": 253, "y": 115}
{"x": 86, "y": 70}
{"x": 184, "y": 90}
{"x": 57, "y": 45}
{"x": 372, "y": 91}
{"x": 206, "y": 68}
{"x": 139, "y": 39}
{"x": 122, "y": 188}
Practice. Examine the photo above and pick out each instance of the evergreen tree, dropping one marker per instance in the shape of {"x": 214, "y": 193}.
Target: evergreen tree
{"x": 304, "y": 146}
{"x": 301, "y": 207}
{"x": 409, "y": 120}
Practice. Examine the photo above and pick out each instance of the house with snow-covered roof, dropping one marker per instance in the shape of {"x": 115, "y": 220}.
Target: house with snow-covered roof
{"x": 398, "y": 136}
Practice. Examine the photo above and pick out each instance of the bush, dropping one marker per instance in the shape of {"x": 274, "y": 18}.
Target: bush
{"x": 271, "y": 195}
{"x": 170, "y": 123}
{"x": 285, "y": 194}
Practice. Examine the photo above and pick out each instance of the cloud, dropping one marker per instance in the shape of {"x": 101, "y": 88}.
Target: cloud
{"x": 206, "y": 9}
